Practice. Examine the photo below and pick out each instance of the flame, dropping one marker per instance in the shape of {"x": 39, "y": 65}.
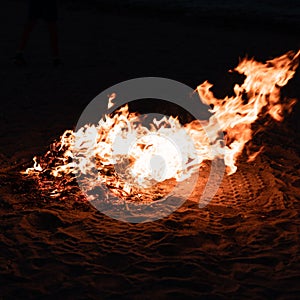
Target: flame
{"x": 130, "y": 158}
{"x": 111, "y": 98}
{"x": 235, "y": 114}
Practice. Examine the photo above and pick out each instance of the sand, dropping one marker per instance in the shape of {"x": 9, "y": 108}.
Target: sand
{"x": 245, "y": 244}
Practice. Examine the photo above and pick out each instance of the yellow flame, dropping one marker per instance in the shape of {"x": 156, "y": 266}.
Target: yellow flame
{"x": 262, "y": 91}
{"x": 129, "y": 156}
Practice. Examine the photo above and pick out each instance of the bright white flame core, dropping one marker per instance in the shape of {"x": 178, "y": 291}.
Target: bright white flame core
{"x": 153, "y": 155}
{"x": 160, "y": 159}
{"x": 142, "y": 156}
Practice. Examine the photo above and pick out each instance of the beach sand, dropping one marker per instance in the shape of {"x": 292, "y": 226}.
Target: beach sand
{"x": 244, "y": 244}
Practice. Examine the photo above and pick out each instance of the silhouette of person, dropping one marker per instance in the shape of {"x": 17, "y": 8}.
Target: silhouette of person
{"x": 47, "y": 11}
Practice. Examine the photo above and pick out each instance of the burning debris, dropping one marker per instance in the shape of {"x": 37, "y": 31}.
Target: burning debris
{"x": 132, "y": 159}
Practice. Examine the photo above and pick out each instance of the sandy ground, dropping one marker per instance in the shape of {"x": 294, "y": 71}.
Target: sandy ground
{"x": 245, "y": 244}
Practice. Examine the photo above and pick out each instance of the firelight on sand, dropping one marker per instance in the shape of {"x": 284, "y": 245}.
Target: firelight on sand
{"x": 130, "y": 157}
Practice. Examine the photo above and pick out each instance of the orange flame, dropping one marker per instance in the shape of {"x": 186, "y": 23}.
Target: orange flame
{"x": 262, "y": 90}
{"x": 130, "y": 157}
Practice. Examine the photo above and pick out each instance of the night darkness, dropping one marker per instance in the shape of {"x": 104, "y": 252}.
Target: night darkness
{"x": 243, "y": 245}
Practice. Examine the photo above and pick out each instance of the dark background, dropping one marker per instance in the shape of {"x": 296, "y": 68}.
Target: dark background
{"x": 105, "y": 42}
{"x": 70, "y": 251}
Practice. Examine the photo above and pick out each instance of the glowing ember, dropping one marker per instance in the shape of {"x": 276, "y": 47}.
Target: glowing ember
{"x": 130, "y": 157}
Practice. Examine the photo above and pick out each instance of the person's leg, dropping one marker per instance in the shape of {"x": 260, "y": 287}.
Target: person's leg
{"x": 50, "y": 16}
{"x": 19, "y": 59}
{"x": 25, "y": 36}
{"x": 53, "y": 33}
{"x": 52, "y": 27}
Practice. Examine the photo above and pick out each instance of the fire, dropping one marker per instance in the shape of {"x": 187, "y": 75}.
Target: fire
{"x": 261, "y": 88}
{"x": 130, "y": 157}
